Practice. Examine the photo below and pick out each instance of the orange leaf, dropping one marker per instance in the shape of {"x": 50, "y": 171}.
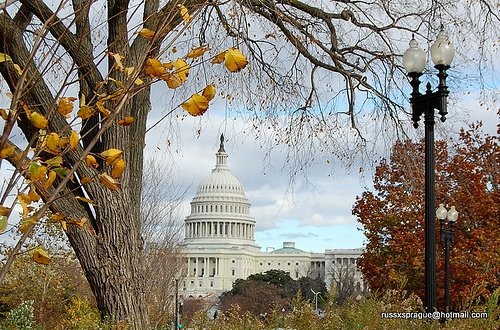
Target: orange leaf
{"x": 219, "y": 58}
{"x": 7, "y": 151}
{"x": 197, "y": 52}
{"x": 50, "y": 180}
{"x": 53, "y": 143}
{"x": 73, "y": 140}
{"x": 196, "y": 105}
{"x": 85, "y": 112}
{"x": 65, "y": 106}
{"x": 126, "y": 121}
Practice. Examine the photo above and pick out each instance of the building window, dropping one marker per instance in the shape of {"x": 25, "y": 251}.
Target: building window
{"x": 296, "y": 264}
{"x": 288, "y": 264}
{"x": 212, "y": 284}
{"x": 261, "y": 263}
{"x": 232, "y": 261}
{"x": 199, "y": 284}
{"x": 279, "y": 263}
{"x": 269, "y": 264}
{"x": 232, "y": 272}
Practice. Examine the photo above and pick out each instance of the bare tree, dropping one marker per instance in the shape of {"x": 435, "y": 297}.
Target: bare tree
{"x": 162, "y": 231}
{"x": 55, "y": 51}
{"x": 345, "y": 282}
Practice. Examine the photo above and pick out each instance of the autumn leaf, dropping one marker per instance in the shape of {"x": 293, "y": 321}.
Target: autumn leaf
{"x": 100, "y": 106}
{"x": 54, "y": 161}
{"x": 173, "y": 80}
{"x": 3, "y": 223}
{"x": 65, "y": 106}
{"x": 90, "y": 161}
{"x": 196, "y": 105}
{"x": 197, "y": 52}
{"x": 37, "y": 172}
{"x": 53, "y": 143}
{"x": 4, "y": 211}
{"x": 52, "y": 176}
{"x": 33, "y": 195}
{"x": 73, "y": 140}
{"x": 26, "y": 224}
{"x": 108, "y": 181}
{"x": 147, "y": 34}
{"x": 7, "y": 151}
{"x": 209, "y": 92}
{"x": 4, "y": 58}
{"x": 181, "y": 69}
{"x": 38, "y": 120}
{"x": 234, "y": 60}
{"x": 4, "y": 114}
{"x": 40, "y": 256}
{"x": 219, "y": 58}
{"x": 111, "y": 155}
{"x": 118, "y": 168}
{"x": 126, "y": 121}
{"x": 118, "y": 60}
{"x": 86, "y": 200}
{"x": 85, "y": 112}
{"x": 154, "y": 68}
{"x": 85, "y": 180}
{"x": 184, "y": 13}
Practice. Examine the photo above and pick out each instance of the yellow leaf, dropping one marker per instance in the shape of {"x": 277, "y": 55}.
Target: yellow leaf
{"x": 181, "y": 69}
{"x": 209, "y": 92}
{"x": 73, "y": 140}
{"x": 118, "y": 168}
{"x": 4, "y": 57}
{"x": 85, "y": 180}
{"x": 38, "y": 120}
{"x": 138, "y": 81}
{"x": 111, "y": 155}
{"x": 90, "y": 161}
{"x": 102, "y": 109}
{"x": 32, "y": 194}
{"x": 65, "y": 106}
{"x": 24, "y": 200}
{"x": 219, "y": 58}
{"x": 4, "y": 211}
{"x": 54, "y": 161}
{"x": 197, "y": 52}
{"x": 40, "y": 256}
{"x": 50, "y": 179}
{"x": 4, "y": 114}
{"x": 126, "y": 121}
{"x": 53, "y": 143}
{"x": 173, "y": 80}
{"x": 37, "y": 171}
{"x": 235, "y": 60}
{"x": 196, "y": 105}
{"x": 7, "y": 151}
{"x": 154, "y": 67}
{"x": 184, "y": 13}
{"x": 147, "y": 34}
{"x": 26, "y": 224}
{"x": 4, "y": 222}
{"x": 108, "y": 181}
{"x": 85, "y": 112}
{"x": 64, "y": 226}
{"x": 86, "y": 200}
{"x": 118, "y": 60}
{"x": 18, "y": 69}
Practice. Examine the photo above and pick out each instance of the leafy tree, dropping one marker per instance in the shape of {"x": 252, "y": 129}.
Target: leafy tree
{"x": 306, "y": 284}
{"x": 86, "y": 165}
{"x": 393, "y": 214}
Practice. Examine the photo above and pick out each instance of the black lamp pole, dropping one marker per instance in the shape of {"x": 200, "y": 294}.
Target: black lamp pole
{"x": 176, "y": 318}
{"x": 426, "y": 104}
{"x": 447, "y": 220}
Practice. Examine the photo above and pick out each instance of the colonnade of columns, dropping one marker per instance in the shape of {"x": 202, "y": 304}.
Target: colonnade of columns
{"x": 203, "y": 266}
{"x": 219, "y": 229}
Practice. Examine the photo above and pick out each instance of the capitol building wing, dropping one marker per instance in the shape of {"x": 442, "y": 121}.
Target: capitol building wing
{"x": 219, "y": 245}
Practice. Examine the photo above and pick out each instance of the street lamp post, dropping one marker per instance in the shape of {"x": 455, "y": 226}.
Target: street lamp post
{"x": 176, "y": 317}
{"x": 447, "y": 220}
{"x": 316, "y": 298}
{"x": 425, "y": 104}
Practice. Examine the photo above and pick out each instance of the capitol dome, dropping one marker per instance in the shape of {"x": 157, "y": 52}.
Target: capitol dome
{"x": 220, "y": 211}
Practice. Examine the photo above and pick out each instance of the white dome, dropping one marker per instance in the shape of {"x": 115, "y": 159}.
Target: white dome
{"x": 220, "y": 210}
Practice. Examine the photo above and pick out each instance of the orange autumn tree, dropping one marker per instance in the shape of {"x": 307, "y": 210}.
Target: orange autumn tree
{"x": 393, "y": 217}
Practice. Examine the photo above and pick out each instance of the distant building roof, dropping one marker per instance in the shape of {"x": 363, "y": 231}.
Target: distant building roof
{"x": 288, "y": 248}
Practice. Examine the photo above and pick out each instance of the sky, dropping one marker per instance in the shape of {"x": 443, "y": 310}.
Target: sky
{"x": 314, "y": 210}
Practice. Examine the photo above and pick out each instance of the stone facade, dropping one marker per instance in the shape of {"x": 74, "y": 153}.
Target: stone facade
{"x": 219, "y": 245}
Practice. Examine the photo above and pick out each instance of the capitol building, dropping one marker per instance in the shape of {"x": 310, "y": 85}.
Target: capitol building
{"x": 219, "y": 245}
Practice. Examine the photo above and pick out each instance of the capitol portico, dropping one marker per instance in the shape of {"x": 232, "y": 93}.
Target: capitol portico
{"x": 219, "y": 245}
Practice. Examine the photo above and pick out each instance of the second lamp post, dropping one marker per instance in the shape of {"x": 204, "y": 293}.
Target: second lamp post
{"x": 447, "y": 220}
{"x": 442, "y": 53}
